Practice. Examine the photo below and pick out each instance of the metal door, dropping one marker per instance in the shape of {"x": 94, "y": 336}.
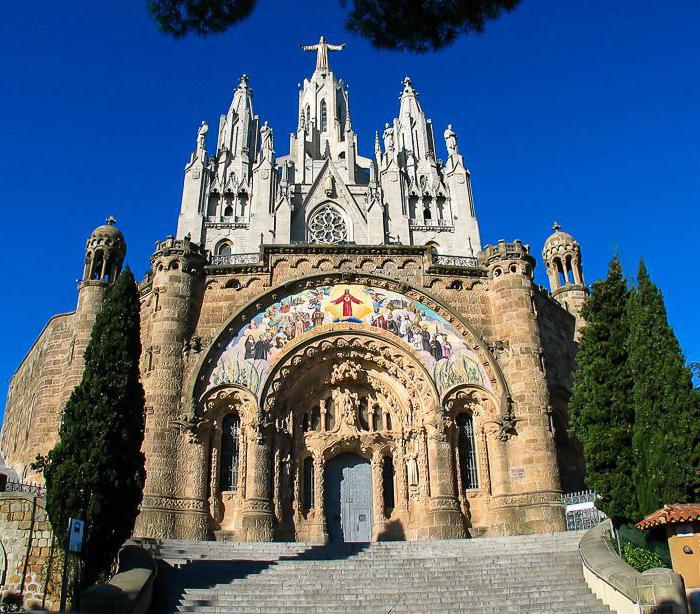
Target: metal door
{"x": 349, "y": 499}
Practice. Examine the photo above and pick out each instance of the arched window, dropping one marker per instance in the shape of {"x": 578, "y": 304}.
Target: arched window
{"x": 569, "y": 272}
{"x": 466, "y": 447}
{"x": 308, "y": 483}
{"x": 228, "y": 476}
{"x": 560, "y": 272}
{"x": 427, "y": 215}
{"x": 315, "y": 418}
{"x": 223, "y": 249}
{"x": 228, "y": 212}
{"x": 97, "y": 264}
{"x": 324, "y": 116}
{"x": 388, "y": 485}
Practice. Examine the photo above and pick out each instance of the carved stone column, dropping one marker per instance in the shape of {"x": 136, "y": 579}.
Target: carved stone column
{"x": 258, "y": 520}
{"x": 444, "y": 514}
{"x": 377, "y": 490}
{"x": 320, "y": 496}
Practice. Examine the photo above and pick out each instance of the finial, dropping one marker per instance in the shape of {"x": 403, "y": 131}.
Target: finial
{"x": 111, "y": 220}
{"x": 243, "y": 82}
{"x": 556, "y": 227}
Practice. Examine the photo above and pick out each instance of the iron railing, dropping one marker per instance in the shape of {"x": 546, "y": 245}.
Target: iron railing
{"x": 580, "y": 509}
{"x": 35, "y": 489}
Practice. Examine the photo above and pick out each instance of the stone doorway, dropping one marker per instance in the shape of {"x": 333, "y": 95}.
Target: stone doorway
{"x": 349, "y": 499}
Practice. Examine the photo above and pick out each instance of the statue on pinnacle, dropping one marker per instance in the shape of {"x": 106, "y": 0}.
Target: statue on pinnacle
{"x": 322, "y": 49}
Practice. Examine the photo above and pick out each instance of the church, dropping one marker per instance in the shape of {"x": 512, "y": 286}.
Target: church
{"x": 328, "y": 351}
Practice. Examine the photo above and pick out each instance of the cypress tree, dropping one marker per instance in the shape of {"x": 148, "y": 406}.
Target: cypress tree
{"x": 601, "y": 415}
{"x": 96, "y": 470}
{"x": 666, "y": 440}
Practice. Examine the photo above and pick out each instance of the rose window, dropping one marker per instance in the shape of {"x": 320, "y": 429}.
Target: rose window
{"x": 327, "y": 226}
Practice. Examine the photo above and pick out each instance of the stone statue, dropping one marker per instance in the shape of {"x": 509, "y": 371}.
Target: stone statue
{"x": 267, "y": 146}
{"x": 388, "y": 139}
{"x": 201, "y": 138}
{"x": 322, "y": 49}
{"x": 412, "y": 470}
{"x": 451, "y": 141}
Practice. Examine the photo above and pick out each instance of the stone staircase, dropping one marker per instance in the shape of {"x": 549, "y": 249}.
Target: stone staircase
{"x": 536, "y": 573}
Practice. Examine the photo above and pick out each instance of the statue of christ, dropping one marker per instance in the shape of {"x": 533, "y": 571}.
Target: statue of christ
{"x": 347, "y": 300}
{"x": 322, "y": 49}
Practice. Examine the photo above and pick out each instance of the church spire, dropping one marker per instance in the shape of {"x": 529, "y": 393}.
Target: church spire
{"x": 322, "y": 48}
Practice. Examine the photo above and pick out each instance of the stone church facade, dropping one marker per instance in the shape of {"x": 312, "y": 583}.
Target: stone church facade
{"x": 328, "y": 351}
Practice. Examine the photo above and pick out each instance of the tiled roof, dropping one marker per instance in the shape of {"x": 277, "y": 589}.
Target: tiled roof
{"x": 671, "y": 514}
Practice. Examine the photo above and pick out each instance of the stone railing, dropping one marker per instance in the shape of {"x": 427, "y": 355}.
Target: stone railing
{"x": 130, "y": 590}
{"x": 420, "y": 224}
{"x": 622, "y": 588}
{"x": 444, "y": 259}
{"x": 230, "y": 259}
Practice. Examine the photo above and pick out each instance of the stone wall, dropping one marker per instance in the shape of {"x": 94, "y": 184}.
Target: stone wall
{"x": 557, "y": 328}
{"x": 36, "y": 390}
{"x": 26, "y": 550}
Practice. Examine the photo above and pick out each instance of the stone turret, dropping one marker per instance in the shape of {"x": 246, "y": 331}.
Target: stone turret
{"x": 532, "y": 501}
{"x": 562, "y": 257}
{"x": 170, "y": 317}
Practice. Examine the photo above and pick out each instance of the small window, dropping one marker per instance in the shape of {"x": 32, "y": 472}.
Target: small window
{"x": 324, "y": 116}
{"x": 224, "y": 249}
{"x": 427, "y": 215}
{"x": 309, "y": 483}
{"x": 228, "y": 476}
{"x": 228, "y": 212}
{"x": 466, "y": 447}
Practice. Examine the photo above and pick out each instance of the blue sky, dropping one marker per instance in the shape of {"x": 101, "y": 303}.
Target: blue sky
{"x": 583, "y": 112}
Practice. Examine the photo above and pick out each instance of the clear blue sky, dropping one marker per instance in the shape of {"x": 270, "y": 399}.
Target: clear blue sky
{"x": 584, "y": 112}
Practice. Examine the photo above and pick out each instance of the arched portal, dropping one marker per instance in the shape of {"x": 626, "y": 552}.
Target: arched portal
{"x": 337, "y": 368}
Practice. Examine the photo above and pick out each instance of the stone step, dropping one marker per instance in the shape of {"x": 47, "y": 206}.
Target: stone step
{"x": 523, "y": 574}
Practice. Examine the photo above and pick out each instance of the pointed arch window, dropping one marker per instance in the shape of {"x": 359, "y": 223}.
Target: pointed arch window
{"x": 224, "y": 249}
{"x": 228, "y": 476}
{"x": 466, "y": 448}
{"x": 324, "y": 116}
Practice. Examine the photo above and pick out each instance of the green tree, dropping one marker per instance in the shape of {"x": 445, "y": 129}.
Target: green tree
{"x": 96, "y": 470}
{"x": 601, "y": 415}
{"x": 666, "y": 439}
{"x": 414, "y": 25}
